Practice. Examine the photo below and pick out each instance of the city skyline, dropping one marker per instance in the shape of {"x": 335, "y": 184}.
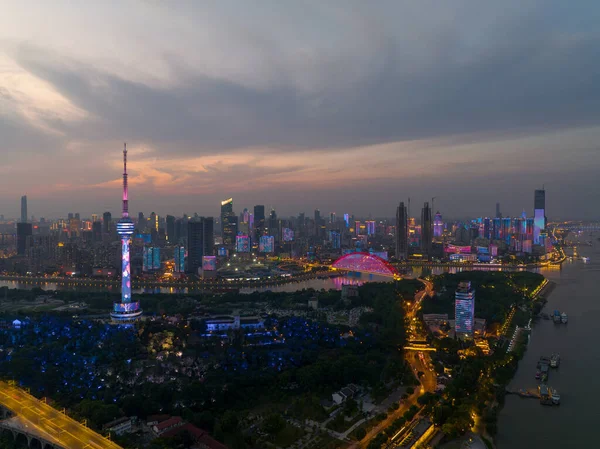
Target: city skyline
{"x": 278, "y": 104}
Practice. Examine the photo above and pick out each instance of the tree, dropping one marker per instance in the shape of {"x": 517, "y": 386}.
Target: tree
{"x": 360, "y": 433}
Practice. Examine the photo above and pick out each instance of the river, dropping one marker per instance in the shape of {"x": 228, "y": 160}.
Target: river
{"x": 524, "y": 423}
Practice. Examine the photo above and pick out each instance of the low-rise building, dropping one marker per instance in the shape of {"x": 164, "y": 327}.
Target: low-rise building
{"x": 119, "y": 426}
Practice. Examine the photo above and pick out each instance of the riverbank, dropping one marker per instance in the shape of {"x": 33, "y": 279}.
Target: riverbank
{"x": 523, "y": 423}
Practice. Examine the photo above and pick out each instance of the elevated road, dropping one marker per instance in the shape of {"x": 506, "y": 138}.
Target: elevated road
{"x": 38, "y": 419}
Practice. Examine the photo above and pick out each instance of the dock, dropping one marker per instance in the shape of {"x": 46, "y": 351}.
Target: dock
{"x": 522, "y": 392}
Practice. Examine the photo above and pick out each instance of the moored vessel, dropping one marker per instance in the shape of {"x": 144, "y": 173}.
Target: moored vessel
{"x": 555, "y": 360}
{"x": 564, "y": 318}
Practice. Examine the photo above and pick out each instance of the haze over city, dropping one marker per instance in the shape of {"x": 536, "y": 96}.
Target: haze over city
{"x": 300, "y": 105}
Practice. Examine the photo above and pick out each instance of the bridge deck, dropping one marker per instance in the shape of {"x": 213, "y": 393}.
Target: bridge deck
{"x": 50, "y": 424}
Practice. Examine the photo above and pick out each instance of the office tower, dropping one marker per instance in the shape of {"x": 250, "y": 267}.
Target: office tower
{"x": 498, "y": 213}
{"x": 24, "y": 232}
{"x": 126, "y": 310}
{"x": 317, "y": 222}
{"x": 347, "y": 220}
{"x": 151, "y": 258}
{"x": 370, "y": 227}
{"x": 539, "y": 214}
{"x": 438, "y": 225}
{"x": 401, "y": 232}
{"x": 273, "y": 223}
{"x": 259, "y": 221}
{"x": 24, "y": 209}
{"x": 245, "y": 216}
{"x": 464, "y": 310}
{"x": 200, "y": 241}
{"x": 426, "y": 229}
{"x": 141, "y": 224}
{"x": 107, "y": 222}
{"x": 180, "y": 259}
{"x": 97, "y": 231}
{"x": 332, "y": 217}
{"x": 227, "y": 218}
{"x": 171, "y": 228}
{"x": 154, "y": 222}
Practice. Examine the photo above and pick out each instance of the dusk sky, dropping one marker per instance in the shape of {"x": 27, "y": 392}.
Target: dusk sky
{"x": 345, "y": 106}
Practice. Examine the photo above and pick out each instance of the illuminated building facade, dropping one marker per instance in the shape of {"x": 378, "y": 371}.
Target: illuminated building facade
{"x": 242, "y": 244}
{"x": 401, "y": 232}
{"x": 539, "y": 214}
{"x": 370, "y": 227}
{"x": 151, "y": 258}
{"x": 180, "y": 259}
{"x": 228, "y": 222}
{"x": 266, "y": 244}
{"x": 438, "y": 225}
{"x": 347, "y": 220}
{"x": 126, "y": 310}
{"x": 426, "y": 226}
{"x": 464, "y": 310}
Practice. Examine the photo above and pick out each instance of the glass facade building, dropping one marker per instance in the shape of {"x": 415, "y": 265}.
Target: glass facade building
{"x": 464, "y": 310}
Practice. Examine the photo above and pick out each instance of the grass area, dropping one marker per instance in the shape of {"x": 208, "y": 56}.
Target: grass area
{"x": 339, "y": 423}
{"x": 287, "y": 436}
{"x": 326, "y": 441}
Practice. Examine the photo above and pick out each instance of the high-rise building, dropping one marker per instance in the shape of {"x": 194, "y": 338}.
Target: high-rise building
{"x": 151, "y": 258}
{"x": 464, "y": 310}
{"x": 24, "y": 232}
{"x": 370, "y": 224}
{"x": 426, "y": 226}
{"x": 259, "y": 221}
{"x": 24, "y": 209}
{"x": 127, "y": 310}
{"x": 332, "y": 218}
{"x": 107, "y": 222}
{"x": 498, "y": 213}
{"x": 438, "y": 225}
{"x": 179, "y": 259}
{"x": 97, "y": 231}
{"x": 200, "y": 241}
{"x": 539, "y": 214}
{"x": 347, "y": 220}
{"x": 227, "y": 219}
{"x": 401, "y": 232}
{"x": 170, "y": 228}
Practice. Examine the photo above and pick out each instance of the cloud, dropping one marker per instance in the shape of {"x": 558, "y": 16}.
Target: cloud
{"x": 298, "y": 97}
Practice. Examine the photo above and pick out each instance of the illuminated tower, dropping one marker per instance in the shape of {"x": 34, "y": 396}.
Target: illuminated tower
{"x": 126, "y": 310}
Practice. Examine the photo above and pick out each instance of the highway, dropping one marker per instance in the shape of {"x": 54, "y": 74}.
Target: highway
{"x": 38, "y": 417}
{"x": 418, "y": 361}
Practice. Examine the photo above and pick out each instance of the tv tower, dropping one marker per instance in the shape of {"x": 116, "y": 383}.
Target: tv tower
{"x": 126, "y": 310}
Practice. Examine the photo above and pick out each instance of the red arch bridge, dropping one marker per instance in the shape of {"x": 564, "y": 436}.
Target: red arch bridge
{"x": 365, "y": 263}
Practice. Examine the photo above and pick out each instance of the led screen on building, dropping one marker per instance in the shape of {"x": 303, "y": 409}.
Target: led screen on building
{"x": 288, "y": 234}
{"x": 180, "y": 259}
{"x": 267, "y": 244}
{"x": 242, "y": 244}
{"x": 222, "y": 251}
{"x": 209, "y": 263}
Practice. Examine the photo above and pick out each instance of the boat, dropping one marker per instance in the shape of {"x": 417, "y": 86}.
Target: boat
{"x": 555, "y": 397}
{"x": 585, "y": 259}
{"x": 556, "y": 316}
{"x": 545, "y": 398}
{"x": 564, "y": 318}
{"x": 555, "y": 360}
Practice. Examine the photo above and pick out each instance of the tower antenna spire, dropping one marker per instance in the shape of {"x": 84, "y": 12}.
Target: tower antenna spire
{"x": 125, "y": 191}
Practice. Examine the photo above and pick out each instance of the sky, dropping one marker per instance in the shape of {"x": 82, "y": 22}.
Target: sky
{"x": 345, "y": 106}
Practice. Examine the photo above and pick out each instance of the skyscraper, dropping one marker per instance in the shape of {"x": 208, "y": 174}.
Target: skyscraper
{"x": 228, "y": 229}
{"x": 498, "y": 213}
{"x": 171, "y": 228}
{"x": 259, "y": 221}
{"x": 464, "y": 310}
{"x": 426, "y": 229}
{"x": 107, "y": 222}
{"x": 24, "y": 232}
{"x": 200, "y": 241}
{"x": 438, "y": 225}
{"x": 24, "y": 209}
{"x": 401, "y": 232}
{"x": 126, "y": 310}
{"x": 539, "y": 214}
